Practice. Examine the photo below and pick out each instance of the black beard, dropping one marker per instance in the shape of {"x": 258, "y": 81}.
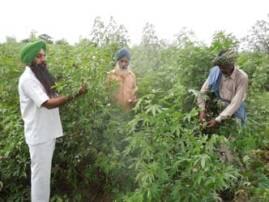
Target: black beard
{"x": 43, "y": 75}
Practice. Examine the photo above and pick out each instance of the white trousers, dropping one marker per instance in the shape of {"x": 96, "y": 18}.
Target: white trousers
{"x": 41, "y": 158}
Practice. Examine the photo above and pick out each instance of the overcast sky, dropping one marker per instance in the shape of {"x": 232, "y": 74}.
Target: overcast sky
{"x": 71, "y": 19}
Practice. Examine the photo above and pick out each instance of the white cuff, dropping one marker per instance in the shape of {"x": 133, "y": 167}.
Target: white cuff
{"x": 218, "y": 119}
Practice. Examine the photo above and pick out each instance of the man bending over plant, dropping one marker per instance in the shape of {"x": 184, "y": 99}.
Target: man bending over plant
{"x": 228, "y": 86}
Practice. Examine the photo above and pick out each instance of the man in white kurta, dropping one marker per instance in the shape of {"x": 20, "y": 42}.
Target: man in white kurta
{"x": 41, "y": 127}
{"x": 40, "y": 113}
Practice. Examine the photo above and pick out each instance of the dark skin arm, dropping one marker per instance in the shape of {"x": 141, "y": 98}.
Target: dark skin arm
{"x": 202, "y": 116}
{"x": 56, "y": 102}
{"x": 210, "y": 124}
{"x": 61, "y": 100}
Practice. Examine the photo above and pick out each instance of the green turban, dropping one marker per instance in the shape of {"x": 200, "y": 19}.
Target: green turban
{"x": 30, "y": 50}
{"x": 226, "y": 57}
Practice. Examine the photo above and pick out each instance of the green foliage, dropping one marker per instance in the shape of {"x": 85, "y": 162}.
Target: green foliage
{"x": 158, "y": 151}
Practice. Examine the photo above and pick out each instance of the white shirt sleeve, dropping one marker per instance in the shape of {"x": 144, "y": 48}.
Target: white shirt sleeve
{"x": 34, "y": 91}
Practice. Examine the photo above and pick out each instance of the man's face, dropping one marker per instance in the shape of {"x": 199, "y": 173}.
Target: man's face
{"x": 227, "y": 70}
{"x": 124, "y": 63}
{"x": 40, "y": 57}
